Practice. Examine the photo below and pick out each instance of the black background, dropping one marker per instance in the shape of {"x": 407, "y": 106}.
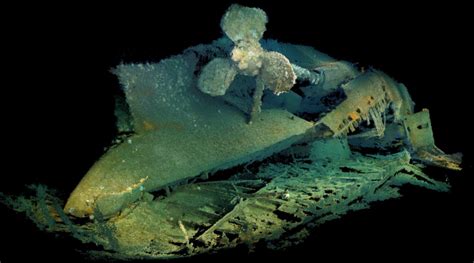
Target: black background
{"x": 57, "y": 102}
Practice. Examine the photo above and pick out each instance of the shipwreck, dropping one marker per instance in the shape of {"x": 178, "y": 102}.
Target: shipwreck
{"x": 242, "y": 141}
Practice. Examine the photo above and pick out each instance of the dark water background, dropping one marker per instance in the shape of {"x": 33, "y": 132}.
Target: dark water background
{"x": 57, "y": 106}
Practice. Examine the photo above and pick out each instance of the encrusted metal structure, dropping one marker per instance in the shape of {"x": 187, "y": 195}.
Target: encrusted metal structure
{"x": 242, "y": 141}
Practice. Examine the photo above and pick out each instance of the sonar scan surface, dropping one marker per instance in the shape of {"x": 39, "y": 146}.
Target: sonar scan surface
{"x": 240, "y": 142}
